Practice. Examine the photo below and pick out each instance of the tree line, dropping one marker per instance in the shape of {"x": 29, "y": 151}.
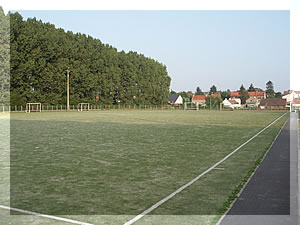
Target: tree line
{"x": 40, "y": 55}
{"x": 4, "y": 58}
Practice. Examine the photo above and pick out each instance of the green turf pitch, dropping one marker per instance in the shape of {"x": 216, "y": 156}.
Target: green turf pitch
{"x": 123, "y": 162}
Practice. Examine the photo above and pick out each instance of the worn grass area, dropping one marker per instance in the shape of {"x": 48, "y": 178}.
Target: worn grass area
{"x": 122, "y": 162}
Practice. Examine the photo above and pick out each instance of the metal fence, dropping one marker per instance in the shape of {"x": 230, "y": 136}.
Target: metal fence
{"x": 57, "y": 108}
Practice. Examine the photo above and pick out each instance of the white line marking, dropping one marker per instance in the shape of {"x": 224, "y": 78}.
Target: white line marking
{"x": 219, "y": 168}
{"x": 196, "y": 178}
{"x": 44, "y": 215}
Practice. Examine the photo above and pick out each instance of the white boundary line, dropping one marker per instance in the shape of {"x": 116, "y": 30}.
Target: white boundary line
{"x": 44, "y": 215}
{"x": 196, "y": 178}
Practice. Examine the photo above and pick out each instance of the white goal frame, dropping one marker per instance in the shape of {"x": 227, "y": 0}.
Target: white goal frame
{"x": 191, "y": 104}
{"x": 81, "y": 106}
{"x": 38, "y": 107}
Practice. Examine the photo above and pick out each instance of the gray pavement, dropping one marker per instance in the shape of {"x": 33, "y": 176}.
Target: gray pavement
{"x": 271, "y": 195}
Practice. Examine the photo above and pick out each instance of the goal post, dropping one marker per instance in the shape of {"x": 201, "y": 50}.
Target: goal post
{"x": 83, "y": 107}
{"x": 33, "y": 107}
{"x": 191, "y": 106}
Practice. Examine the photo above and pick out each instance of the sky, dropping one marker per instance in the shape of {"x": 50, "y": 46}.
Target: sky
{"x": 200, "y": 48}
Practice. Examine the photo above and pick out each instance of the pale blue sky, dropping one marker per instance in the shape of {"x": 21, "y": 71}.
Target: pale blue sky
{"x": 199, "y": 48}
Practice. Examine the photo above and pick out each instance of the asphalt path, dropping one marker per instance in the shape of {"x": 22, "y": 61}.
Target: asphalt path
{"x": 270, "y": 197}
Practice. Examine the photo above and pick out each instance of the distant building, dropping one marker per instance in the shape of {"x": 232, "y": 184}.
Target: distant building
{"x": 252, "y": 94}
{"x": 296, "y": 103}
{"x": 235, "y": 94}
{"x": 257, "y": 94}
{"x": 270, "y": 103}
{"x": 232, "y": 103}
{"x": 200, "y": 99}
{"x": 254, "y": 99}
{"x": 252, "y": 102}
{"x": 290, "y": 95}
{"x": 236, "y": 103}
{"x": 175, "y": 99}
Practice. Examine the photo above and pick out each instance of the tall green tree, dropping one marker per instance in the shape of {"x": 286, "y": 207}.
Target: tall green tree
{"x": 213, "y": 102}
{"x": 213, "y": 90}
{"x": 243, "y": 94}
{"x": 278, "y": 95}
{"x": 198, "y": 91}
{"x": 41, "y": 54}
{"x": 4, "y": 58}
{"x": 226, "y": 94}
{"x": 251, "y": 88}
{"x": 270, "y": 93}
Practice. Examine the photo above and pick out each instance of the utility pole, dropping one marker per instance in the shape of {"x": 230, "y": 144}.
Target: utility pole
{"x": 68, "y": 86}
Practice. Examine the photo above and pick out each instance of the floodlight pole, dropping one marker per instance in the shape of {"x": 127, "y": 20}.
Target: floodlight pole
{"x": 68, "y": 92}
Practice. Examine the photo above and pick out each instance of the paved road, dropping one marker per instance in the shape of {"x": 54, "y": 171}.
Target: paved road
{"x": 270, "y": 197}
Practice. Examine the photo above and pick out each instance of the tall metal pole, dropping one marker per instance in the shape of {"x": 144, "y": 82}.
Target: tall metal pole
{"x": 68, "y": 94}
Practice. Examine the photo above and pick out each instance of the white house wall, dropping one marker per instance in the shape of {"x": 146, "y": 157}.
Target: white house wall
{"x": 179, "y": 100}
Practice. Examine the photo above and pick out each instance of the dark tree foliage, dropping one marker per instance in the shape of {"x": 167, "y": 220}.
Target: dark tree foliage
{"x": 278, "y": 95}
{"x": 41, "y": 54}
{"x": 242, "y": 88}
{"x": 183, "y": 94}
{"x": 243, "y": 94}
{"x": 198, "y": 91}
{"x": 270, "y": 89}
{"x": 259, "y": 90}
{"x": 4, "y": 58}
{"x": 251, "y": 88}
{"x": 226, "y": 94}
{"x": 172, "y": 92}
{"x": 213, "y": 90}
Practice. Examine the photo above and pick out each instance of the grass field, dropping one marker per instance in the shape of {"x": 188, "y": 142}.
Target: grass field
{"x": 104, "y": 167}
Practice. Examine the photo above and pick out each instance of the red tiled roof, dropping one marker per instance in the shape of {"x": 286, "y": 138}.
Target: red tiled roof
{"x": 289, "y": 92}
{"x": 199, "y": 97}
{"x": 256, "y": 93}
{"x": 296, "y": 101}
{"x": 235, "y": 94}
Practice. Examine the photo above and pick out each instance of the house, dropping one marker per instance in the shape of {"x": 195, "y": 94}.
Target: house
{"x": 200, "y": 99}
{"x": 257, "y": 94}
{"x": 175, "y": 99}
{"x": 252, "y": 103}
{"x": 255, "y": 98}
{"x": 295, "y": 104}
{"x": 254, "y": 94}
{"x": 235, "y": 94}
{"x": 232, "y": 103}
{"x": 270, "y": 103}
{"x": 227, "y": 104}
{"x": 290, "y": 95}
{"x": 236, "y": 103}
